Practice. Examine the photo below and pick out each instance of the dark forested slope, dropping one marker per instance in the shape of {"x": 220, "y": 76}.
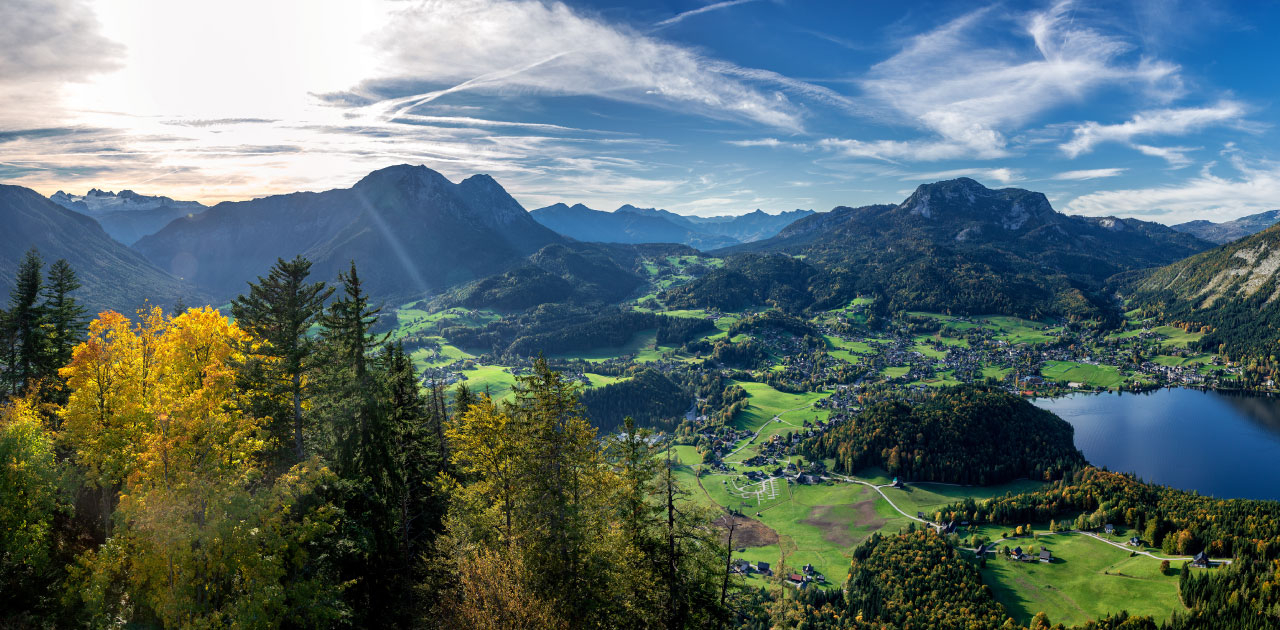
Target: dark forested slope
{"x": 967, "y": 434}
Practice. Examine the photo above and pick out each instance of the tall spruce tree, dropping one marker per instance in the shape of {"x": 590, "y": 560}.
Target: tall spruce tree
{"x": 417, "y": 505}
{"x": 346, "y": 332}
{"x": 360, "y": 444}
{"x": 280, "y": 309}
{"x": 66, "y": 320}
{"x": 26, "y": 326}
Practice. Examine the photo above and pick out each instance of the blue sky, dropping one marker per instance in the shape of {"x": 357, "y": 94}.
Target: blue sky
{"x": 1159, "y": 110}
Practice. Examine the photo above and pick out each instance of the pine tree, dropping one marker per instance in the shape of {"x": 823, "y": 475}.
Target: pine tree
{"x": 347, "y": 337}
{"x": 66, "y": 318}
{"x": 26, "y": 326}
{"x": 280, "y": 309}
{"x": 415, "y": 452}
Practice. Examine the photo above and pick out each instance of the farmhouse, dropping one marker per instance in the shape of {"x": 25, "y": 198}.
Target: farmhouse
{"x": 1109, "y": 528}
{"x": 1046, "y": 555}
{"x": 1201, "y": 560}
{"x": 1135, "y": 541}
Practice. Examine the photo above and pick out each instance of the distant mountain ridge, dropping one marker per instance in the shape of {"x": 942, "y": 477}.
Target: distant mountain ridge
{"x": 114, "y": 276}
{"x": 957, "y": 245}
{"x": 597, "y": 226}
{"x": 127, "y": 216}
{"x": 409, "y": 229}
{"x": 633, "y": 225}
{"x": 1228, "y": 231}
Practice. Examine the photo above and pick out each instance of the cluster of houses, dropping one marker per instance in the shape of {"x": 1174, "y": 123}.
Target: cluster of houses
{"x": 445, "y": 375}
{"x": 743, "y": 567}
{"x": 1018, "y": 555}
{"x": 807, "y": 576}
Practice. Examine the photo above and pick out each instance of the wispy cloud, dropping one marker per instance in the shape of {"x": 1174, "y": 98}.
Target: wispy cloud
{"x": 970, "y": 93}
{"x": 1001, "y": 175}
{"x": 762, "y": 142}
{"x": 1092, "y": 173}
{"x": 716, "y": 6}
{"x": 471, "y": 45}
{"x": 1256, "y": 188}
{"x": 902, "y": 150}
{"x": 1159, "y": 122}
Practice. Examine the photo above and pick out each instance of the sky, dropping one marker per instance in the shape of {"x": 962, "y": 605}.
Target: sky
{"x": 1156, "y": 109}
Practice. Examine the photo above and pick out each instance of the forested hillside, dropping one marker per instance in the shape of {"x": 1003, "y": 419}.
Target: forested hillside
{"x": 1229, "y": 292}
{"x": 574, "y": 273}
{"x": 111, "y": 275}
{"x": 1178, "y": 521}
{"x": 957, "y": 246}
{"x": 974, "y": 435}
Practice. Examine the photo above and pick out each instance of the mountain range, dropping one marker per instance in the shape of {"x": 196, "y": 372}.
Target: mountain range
{"x": 113, "y": 276}
{"x": 1230, "y": 230}
{"x": 961, "y": 247}
{"x": 409, "y": 229}
{"x": 629, "y": 224}
{"x": 951, "y": 246}
{"x": 127, "y": 216}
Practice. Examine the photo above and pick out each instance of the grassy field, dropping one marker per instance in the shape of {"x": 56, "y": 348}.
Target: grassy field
{"x": 494, "y": 379}
{"x": 423, "y": 358}
{"x": 850, "y": 351}
{"x": 929, "y": 497}
{"x": 1087, "y": 579}
{"x": 818, "y": 525}
{"x": 765, "y": 402}
{"x": 1182, "y": 361}
{"x": 1093, "y": 375}
{"x": 929, "y": 351}
{"x": 1016, "y": 330}
{"x": 1177, "y": 336}
{"x": 895, "y": 372}
{"x": 600, "y": 380}
{"x": 995, "y": 372}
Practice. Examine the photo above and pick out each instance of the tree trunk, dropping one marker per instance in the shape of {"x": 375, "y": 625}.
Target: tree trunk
{"x": 297, "y": 416}
{"x": 728, "y": 562}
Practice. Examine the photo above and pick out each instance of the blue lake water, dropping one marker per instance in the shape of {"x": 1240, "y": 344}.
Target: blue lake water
{"x": 1223, "y": 445}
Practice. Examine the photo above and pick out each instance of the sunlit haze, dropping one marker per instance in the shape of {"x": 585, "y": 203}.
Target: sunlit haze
{"x": 701, "y": 108}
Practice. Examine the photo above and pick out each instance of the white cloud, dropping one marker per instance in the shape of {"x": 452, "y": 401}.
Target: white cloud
{"x": 762, "y": 142}
{"x": 488, "y": 46}
{"x": 953, "y": 82}
{"x": 231, "y": 109}
{"x": 1206, "y": 196}
{"x": 47, "y": 44}
{"x": 1002, "y": 175}
{"x": 1093, "y": 173}
{"x": 680, "y": 17}
{"x": 1175, "y": 156}
{"x": 1164, "y": 122}
{"x": 903, "y": 150}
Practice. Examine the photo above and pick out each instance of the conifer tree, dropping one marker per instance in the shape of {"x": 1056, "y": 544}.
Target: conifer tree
{"x": 26, "y": 322}
{"x": 280, "y": 309}
{"x": 66, "y": 318}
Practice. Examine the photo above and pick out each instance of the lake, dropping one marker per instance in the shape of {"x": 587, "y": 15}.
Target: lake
{"x": 1220, "y": 444}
